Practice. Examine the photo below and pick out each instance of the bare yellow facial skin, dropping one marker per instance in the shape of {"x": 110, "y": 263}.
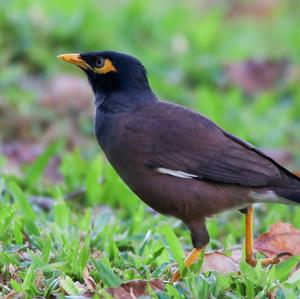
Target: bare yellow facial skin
{"x": 75, "y": 58}
{"x": 106, "y": 68}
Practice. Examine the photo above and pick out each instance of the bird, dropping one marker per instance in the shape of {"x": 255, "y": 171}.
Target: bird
{"x": 176, "y": 160}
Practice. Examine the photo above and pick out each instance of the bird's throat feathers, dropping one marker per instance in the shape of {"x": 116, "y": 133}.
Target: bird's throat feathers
{"x": 123, "y": 98}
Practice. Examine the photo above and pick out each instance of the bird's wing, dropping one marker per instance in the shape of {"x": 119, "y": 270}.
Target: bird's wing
{"x": 186, "y": 144}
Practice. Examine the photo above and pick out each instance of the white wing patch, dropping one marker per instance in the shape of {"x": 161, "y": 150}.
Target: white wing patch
{"x": 176, "y": 173}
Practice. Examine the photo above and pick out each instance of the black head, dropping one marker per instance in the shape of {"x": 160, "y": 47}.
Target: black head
{"x": 112, "y": 75}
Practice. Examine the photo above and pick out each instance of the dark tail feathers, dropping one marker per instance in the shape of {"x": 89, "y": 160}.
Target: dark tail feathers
{"x": 292, "y": 195}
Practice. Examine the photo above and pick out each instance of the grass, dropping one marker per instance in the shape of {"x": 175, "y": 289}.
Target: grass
{"x": 96, "y": 234}
{"x": 46, "y": 253}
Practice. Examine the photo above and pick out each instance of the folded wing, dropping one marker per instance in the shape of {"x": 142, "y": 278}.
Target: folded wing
{"x": 185, "y": 142}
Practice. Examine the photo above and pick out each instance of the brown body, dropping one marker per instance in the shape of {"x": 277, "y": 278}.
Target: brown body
{"x": 176, "y": 160}
{"x": 136, "y": 152}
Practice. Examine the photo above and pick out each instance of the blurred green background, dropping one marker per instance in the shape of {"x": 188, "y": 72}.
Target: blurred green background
{"x": 237, "y": 62}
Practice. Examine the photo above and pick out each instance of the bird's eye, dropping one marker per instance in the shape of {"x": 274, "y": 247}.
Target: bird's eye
{"x": 99, "y": 61}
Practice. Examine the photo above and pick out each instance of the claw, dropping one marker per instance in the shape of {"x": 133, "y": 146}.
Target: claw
{"x": 281, "y": 254}
{"x": 268, "y": 261}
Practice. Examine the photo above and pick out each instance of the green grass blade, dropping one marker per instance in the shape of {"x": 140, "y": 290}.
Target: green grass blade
{"x": 174, "y": 245}
{"x": 107, "y": 275}
{"x": 36, "y": 169}
{"x": 22, "y": 200}
{"x": 283, "y": 269}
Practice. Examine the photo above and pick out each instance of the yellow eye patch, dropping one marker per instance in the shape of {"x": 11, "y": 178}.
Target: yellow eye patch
{"x": 106, "y": 68}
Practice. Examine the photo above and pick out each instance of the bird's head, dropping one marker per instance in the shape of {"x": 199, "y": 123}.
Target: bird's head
{"x": 112, "y": 75}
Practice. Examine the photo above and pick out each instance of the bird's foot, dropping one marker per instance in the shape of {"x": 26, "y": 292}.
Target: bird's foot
{"x": 191, "y": 258}
{"x": 267, "y": 261}
{"x": 176, "y": 276}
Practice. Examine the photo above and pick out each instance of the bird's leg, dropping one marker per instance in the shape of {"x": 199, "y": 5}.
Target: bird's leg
{"x": 200, "y": 239}
{"x": 250, "y": 259}
{"x": 249, "y": 237}
{"x": 190, "y": 259}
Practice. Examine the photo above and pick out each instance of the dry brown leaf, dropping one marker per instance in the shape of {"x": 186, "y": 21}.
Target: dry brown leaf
{"x": 119, "y": 293}
{"x": 39, "y": 279}
{"x": 88, "y": 280}
{"x": 14, "y": 295}
{"x": 97, "y": 254}
{"x": 282, "y": 237}
{"x": 219, "y": 262}
{"x": 135, "y": 288}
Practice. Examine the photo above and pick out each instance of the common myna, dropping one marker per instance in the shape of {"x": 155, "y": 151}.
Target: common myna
{"x": 176, "y": 160}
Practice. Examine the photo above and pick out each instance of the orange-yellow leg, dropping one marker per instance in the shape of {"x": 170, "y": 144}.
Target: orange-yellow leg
{"x": 249, "y": 237}
{"x": 190, "y": 259}
{"x": 249, "y": 244}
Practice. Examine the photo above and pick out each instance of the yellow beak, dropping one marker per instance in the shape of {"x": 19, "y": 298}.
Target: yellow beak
{"x": 74, "y": 59}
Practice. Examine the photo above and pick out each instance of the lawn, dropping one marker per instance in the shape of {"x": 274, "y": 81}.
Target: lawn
{"x": 69, "y": 227}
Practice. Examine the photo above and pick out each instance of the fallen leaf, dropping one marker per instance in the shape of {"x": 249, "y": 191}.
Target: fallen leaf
{"x": 39, "y": 278}
{"x": 119, "y": 293}
{"x": 89, "y": 281}
{"x": 135, "y": 288}
{"x": 282, "y": 237}
{"x": 219, "y": 262}
{"x": 14, "y": 295}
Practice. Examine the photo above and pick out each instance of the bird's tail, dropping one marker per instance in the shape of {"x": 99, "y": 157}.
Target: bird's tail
{"x": 292, "y": 195}
{"x": 289, "y": 190}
